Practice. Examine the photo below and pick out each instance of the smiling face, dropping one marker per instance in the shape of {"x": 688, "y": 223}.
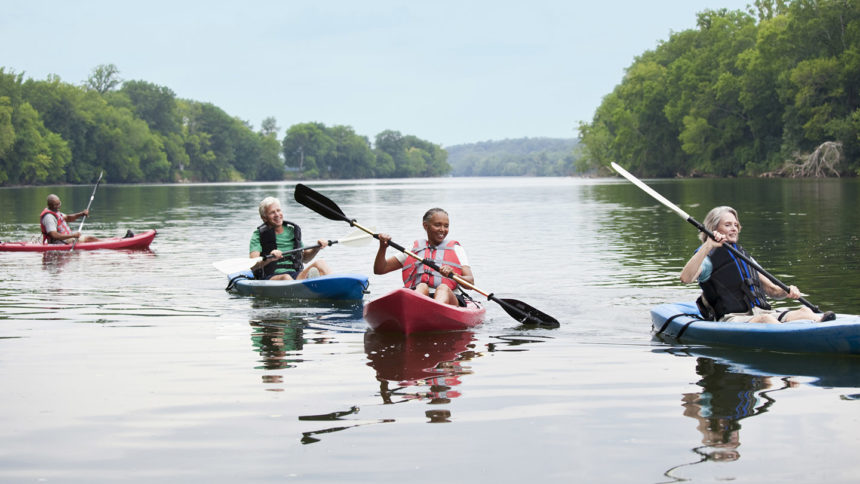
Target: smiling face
{"x": 437, "y": 228}
{"x": 273, "y": 216}
{"x": 730, "y": 227}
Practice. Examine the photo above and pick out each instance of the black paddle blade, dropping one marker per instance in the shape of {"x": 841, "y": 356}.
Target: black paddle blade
{"x": 319, "y": 203}
{"x": 526, "y": 314}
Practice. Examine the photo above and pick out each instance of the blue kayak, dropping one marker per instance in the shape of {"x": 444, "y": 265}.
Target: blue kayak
{"x": 341, "y": 287}
{"x": 681, "y": 322}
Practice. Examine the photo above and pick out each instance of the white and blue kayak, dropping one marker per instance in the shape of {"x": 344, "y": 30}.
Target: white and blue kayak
{"x": 682, "y": 323}
{"x": 340, "y": 287}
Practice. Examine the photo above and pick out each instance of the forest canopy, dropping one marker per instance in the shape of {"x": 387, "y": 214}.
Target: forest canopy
{"x": 739, "y": 95}
{"x": 52, "y": 132}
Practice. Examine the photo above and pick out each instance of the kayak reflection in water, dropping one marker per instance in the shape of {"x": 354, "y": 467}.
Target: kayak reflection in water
{"x": 275, "y": 236}
{"x": 732, "y": 290}
{"x": 449, "y": 255}
{"x": 55, "y": 224}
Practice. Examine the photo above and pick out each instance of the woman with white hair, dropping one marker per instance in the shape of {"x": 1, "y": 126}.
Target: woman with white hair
{"x": 732, "y": 290}
{"x": 276, "y": 236}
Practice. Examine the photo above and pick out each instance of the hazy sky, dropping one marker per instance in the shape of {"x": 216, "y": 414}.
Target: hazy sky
{"x": 449, "y": 72}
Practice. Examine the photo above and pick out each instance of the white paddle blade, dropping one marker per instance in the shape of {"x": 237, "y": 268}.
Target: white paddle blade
{"x": 237, "y": 264}
{"x": 357, "y": 238}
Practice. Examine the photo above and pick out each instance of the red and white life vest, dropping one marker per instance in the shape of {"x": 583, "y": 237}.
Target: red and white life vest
{"x": 62, "y": 226}
{"x": 415, "y": 272}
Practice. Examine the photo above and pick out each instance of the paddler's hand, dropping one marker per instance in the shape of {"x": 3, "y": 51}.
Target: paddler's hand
{"x": 322, "y": 243}
{"x": 446, "y": 271}
{"x": 384, "y": 239}
{"x": 275, "y": 255}
{"x": 717, "y": 241}
{"x": 793, "y": 292}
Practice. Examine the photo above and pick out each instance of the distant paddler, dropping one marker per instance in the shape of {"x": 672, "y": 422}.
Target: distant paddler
{"x": 55, "y": 224}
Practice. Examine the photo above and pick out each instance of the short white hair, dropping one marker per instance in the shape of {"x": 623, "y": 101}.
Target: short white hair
{"x": 265, "y": 204}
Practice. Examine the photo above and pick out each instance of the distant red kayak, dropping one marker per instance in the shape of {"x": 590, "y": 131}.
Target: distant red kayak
{"x": 406, "y": 311}
{"x": 139, "y": 241}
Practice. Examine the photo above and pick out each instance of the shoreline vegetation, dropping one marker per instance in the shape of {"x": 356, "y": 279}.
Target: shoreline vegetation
{"x": 769, "y": 92}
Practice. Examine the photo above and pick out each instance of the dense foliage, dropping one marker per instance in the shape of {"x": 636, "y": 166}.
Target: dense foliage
{"x": 317, "y": 151}
{"x": 737, "y": 96}
{"x": 515, "y": 157}
{"x": 54, "y": 132}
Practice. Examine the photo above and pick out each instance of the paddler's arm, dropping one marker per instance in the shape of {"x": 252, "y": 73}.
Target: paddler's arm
{"x": 381, "y": 265}
{"x": 273, "y": 256}
{"x": 777, "y": 292}
{"x": 693, "y": 267}
{"x": 309, "y": 254}
{"x": 74, "y": 216}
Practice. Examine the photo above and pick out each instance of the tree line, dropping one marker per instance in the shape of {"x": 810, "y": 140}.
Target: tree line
{"x": 739, "y": 95}
{"x": 53, "y": 132}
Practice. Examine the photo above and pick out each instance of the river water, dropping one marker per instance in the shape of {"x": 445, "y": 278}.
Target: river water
{"x": 138, "y": 366}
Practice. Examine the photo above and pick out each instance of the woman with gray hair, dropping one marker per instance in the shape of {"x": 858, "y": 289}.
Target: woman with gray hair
{"x": 732, "y": 290}
{"x": 276, "y": 236}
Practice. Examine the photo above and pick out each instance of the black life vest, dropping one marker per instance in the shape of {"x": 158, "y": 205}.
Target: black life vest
{"x": 734, "y": 286}
{"x": 268, "y": 242}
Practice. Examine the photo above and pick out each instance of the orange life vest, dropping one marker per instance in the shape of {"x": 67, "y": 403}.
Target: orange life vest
{"x": 62, "y": 226}
{"x": 415, "y": 272}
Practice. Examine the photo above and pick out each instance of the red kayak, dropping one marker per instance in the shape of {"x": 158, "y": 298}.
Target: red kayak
{"x": 406, "y": 311}
{"x": 136, "y": 242}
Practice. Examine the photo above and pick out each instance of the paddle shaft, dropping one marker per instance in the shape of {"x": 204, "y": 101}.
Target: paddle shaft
{"x": 92, "y": 196}
{"x": 707, "y": 232}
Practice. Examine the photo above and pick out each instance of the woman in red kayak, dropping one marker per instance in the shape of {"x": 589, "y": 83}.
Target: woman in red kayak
{"x": 449, "y": 255}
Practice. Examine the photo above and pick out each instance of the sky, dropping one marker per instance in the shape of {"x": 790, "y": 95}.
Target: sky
{"x": 449, "y": 72}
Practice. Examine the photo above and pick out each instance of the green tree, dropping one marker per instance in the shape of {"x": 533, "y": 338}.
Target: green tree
{"x": 154, "y": 104}
{"x": 104, "y": 78}
{"x": 306, "y": 147}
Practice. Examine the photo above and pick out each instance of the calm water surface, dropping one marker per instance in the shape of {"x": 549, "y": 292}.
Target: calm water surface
{"x": 138, "y": 366}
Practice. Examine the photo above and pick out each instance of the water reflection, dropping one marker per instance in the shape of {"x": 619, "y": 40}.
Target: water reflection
{"x": 53, "y": 261}
{"x": 423, "y": 366}
{"x": 736, "y": 385}
{"x": 308, "y": 437}
{"x": 279, "y": 343}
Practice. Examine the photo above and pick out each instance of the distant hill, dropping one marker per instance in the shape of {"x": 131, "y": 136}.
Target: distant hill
{"x": 514, "y": 157}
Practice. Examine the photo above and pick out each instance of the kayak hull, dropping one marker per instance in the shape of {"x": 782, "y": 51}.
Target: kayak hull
{"x": 341, "y": 287}
{"x": 406, "y": 311}
{"x": 679, "y": 322}
{"x": 138, "y": 242}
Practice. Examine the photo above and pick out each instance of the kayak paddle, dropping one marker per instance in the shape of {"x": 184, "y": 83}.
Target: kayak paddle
{"x": 237, "y": 264}
{"x": 684, "y": 215}
{"x": 81, "y": 227}
{"x": 518, "y": 310}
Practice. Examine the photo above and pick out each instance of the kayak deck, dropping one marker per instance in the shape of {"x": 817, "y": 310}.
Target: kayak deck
{"x": 137, "y": 242}
{"x": 681, "y": 322}
{"x": 343, "y": 287}
{"x": 406, "y": 311}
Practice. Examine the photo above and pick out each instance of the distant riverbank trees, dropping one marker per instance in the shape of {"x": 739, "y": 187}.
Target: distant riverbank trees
{"x": 738, "y": 95}
{"x": 52, "y": 132}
